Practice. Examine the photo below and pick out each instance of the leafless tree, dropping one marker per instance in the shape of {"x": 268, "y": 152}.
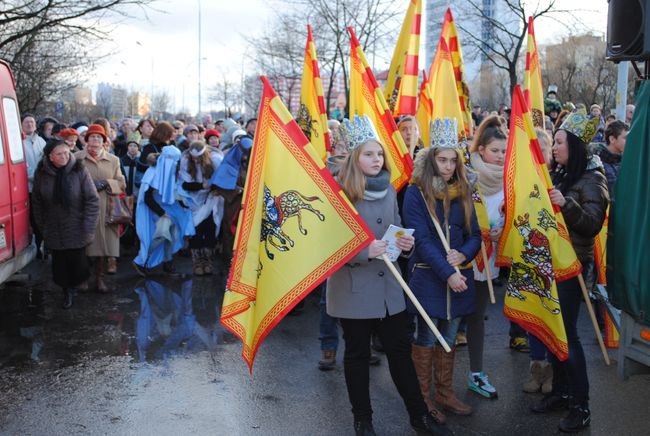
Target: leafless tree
{"x": 578, "y": 67}
{"x": 498, "y": 36}
{"x": 375, "y": 23}
{"x": 50, "y": 43}
{"x": 160, "y": 103}
{"x": 226, "y": 93}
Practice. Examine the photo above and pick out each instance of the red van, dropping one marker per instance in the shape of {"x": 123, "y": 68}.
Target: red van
{"x": 16, "y": 249}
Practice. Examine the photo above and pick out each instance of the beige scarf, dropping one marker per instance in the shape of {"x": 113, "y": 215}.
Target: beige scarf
{"x": 490, "y": 176}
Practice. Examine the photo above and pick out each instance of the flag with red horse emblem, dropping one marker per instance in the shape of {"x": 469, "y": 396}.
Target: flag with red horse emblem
{"x": 296, "y": 228}
{"x": 535, "y": 242}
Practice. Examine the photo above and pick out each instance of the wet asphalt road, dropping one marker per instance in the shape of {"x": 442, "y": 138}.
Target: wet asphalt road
{"x": 152, "y": 359}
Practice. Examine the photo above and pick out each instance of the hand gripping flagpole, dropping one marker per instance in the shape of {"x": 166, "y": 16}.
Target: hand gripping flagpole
{"x": 488, "y": 273}
{"x": 441, "y": 235}
{"x": 416, "y": 303}
{"x": 592, "y": 315}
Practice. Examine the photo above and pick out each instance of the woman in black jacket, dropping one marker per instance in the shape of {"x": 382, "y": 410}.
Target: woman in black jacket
{"x": 581, "y": 192}
{"x": 66, "y": 207}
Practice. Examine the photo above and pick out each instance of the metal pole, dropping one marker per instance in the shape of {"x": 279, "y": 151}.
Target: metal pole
{"x": 621, "y": 90}
{"x": 199, "y": 113}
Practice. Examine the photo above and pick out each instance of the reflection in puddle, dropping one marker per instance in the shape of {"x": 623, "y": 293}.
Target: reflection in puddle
{"x": 156, "y": 321}
{"x": 167, "y": 325}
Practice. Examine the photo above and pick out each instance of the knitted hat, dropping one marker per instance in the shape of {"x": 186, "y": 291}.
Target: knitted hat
{"x": 211, "y": 132}
{"x": 68, "y": 132}
{"x": 96, "y": 129}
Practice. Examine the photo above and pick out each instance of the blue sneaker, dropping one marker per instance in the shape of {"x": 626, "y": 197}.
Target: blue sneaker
{"x": 478, "y": 382}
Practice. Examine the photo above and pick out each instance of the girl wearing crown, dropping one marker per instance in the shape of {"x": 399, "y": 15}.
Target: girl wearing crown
{"x": 364, "y": 294}
{"x": 581, "y": 193}
{"x": 440, "y": 191}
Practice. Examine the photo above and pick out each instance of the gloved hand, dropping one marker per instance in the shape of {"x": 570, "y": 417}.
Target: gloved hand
{"x": 100, "y": 184}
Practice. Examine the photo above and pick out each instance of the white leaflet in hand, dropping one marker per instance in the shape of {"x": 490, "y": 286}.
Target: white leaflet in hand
{"x": 391, "y": 235}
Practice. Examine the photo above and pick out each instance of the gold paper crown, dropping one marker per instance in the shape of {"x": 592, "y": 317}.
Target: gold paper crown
{"x": 358, "y": 131}
{"x": 444, "y": 133}
{"x": 581, "y": 125}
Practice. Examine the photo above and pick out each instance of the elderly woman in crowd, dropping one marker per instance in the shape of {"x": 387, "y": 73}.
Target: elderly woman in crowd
{"x": 105, "y": 171}
{"x": 66, "y": 206}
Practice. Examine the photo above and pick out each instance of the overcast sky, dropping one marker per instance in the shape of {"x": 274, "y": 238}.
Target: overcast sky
{"x": 168, "y": 39}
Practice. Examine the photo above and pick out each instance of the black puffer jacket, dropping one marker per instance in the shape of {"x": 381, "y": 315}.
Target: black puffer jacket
{"x": 584, "y": 212}
{"x": 63, "y": 228}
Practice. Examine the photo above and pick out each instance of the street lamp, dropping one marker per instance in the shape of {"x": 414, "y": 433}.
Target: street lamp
{"x": 199, "y": 57}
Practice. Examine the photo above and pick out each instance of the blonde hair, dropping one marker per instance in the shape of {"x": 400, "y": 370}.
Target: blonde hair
{"x": 427, "y": 178}
{"x": 351, "y": 177}
{"x": 545, "y": 142}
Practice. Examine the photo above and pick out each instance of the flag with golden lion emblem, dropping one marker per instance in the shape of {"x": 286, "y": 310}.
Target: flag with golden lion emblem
{"x": 296, "y": 228}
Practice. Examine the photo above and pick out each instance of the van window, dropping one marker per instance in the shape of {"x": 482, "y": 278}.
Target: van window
{"x": 2, "y": 150}
{"x": 13, "y": 130}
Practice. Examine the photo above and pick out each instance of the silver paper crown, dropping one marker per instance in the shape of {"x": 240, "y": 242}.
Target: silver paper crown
{"x": 358, "y": 131}
{"x": 444, "y": 133}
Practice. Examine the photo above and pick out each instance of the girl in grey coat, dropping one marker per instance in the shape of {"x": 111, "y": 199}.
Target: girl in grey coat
{"x": 365, "y": 296}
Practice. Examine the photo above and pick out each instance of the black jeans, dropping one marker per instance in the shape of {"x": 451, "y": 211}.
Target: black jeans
{"x": 570, "y": 376}
{"x": 393, "y": 333}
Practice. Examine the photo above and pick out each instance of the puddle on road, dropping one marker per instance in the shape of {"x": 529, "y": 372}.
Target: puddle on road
{"x": 150, "y": 321}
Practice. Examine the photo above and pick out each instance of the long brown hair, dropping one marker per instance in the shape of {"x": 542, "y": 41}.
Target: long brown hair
{"x": 205, "y": 160}
{"x": 491, "y": 128}
{"x": 427, "y": 178}
{"x": 351, "y": 178}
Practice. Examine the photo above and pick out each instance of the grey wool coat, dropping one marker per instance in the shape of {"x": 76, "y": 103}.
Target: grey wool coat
{"x": 365, "y": 288}
{"x": 63, "y": 228}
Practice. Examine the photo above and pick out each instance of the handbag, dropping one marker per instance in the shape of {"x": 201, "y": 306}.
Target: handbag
{"x": 118, "y": 210}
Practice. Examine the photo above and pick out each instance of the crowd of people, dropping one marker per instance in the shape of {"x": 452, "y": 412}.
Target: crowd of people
{"x": 182, "y": 184}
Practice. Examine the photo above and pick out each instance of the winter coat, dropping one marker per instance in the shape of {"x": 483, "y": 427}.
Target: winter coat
{"x": 584, "y": 212}
{"x": 429, "y": 267}
{"x": 63, "y": 228}
{"x": 365, "y": 288}
{"x": 612, "y": 165}
{"x": 107, "y": 167}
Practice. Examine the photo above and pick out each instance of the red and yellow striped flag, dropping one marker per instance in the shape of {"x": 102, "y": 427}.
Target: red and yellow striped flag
{"x": 450, "y": 35}
{"x": 600, "y": 251}
{"x": 534, "y": 242}
{"x": 291, "y": 204}
{"x": 425, "y": 108}
{"x": 446, "y": 104}
{"x": 312, "y": 116}
{"x": 366, "y": 99}
{"x": 612, "y": 337}
{"x": 402, "y": 82}
{"x": 533, "y": 89}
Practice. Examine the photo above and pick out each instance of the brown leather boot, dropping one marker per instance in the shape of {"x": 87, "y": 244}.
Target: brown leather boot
{"x": 423, "y": 363}
{"x": 99, "y": 275}
{"x": 443, "y": 371}
{"x": 111, "y": 265}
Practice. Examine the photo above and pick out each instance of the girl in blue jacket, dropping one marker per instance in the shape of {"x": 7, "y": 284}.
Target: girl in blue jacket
{"x": 440, "y": 190}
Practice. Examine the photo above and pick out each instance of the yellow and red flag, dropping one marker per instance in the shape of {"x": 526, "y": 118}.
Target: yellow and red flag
{"x": 366, "y": 98}
{"x": 533, "y": 89}
{"x": 612, "y": 337}
{"x": 291, "y": 205}
{"x": 425, "y": 108}
{"x": 450, "y": 35}
{"x": 312, "y": 116}
{"x": 534, "y": 242}
{"x": 402, "y": 82}
{"x": 446, "y": 104}
{"x": 600, "y": 252}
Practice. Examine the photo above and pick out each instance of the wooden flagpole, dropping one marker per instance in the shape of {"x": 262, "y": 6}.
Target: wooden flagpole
{"x": 416, "y": 303}
{"x": 488, "y": 273}
{"x": 592, "y": 315}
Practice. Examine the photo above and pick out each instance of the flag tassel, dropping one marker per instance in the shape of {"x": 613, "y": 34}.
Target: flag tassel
{"x": 416, "y": 303}
{"x": 592, "y": 315}
{"x": 488, "y": 273}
